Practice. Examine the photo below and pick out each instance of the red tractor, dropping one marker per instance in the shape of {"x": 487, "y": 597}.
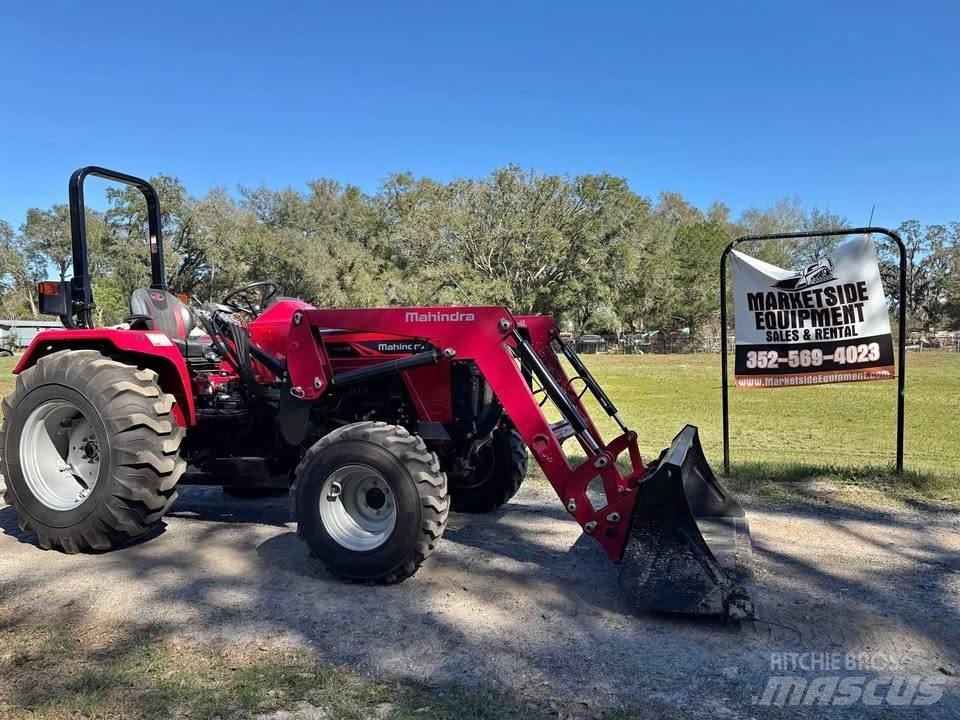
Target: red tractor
{"x": 377, "y": 421}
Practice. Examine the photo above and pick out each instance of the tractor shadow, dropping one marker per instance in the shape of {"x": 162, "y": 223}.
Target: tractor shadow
{"x": 194, "y": 502}
{"x": 10, "y": 525}
{"x": 520, "y": 599}
{"x": 519, "y": 583}
{"x": 211, "y": 504}
{"x": 520, "y": 545}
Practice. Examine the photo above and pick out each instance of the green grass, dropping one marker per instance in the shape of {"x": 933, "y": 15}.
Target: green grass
{"x": 54, "y": 673}
{"x": 6, "y": 378}
{"x": 844, "y": 433}
{"x": 840, "y": 434}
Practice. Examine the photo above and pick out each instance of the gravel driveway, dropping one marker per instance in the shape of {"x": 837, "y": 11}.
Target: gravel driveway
{"x": 520, "y": 601}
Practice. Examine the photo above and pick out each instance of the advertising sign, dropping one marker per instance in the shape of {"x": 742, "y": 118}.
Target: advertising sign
{"x": 824, "y": 323}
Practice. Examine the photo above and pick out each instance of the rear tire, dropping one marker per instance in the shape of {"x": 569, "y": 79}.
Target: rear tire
{"x": 118, "y": 444}
{"x": 371, "y": 502}
{"x": 496, "y": 477}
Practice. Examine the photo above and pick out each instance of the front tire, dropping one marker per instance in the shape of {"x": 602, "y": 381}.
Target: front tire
{"x": 90, "y": 451}
{"x": 370, "y": 502}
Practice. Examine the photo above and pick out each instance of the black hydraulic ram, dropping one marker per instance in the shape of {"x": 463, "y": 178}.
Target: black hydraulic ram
{"x": 386, "y": 368}
{"x": 605, "y": 402}
{"x": 530, "y": 360}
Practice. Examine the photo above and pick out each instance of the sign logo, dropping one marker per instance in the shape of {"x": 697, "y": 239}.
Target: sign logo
{"x": 820, "y": 272}
{"x": 157, "y": 297}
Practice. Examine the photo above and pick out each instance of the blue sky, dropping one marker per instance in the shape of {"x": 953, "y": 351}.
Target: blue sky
{"x": 845, "y": 105}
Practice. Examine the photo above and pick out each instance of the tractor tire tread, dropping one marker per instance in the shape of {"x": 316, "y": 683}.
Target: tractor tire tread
{"x": 145, "y": 439}
{"x": 424, "y": 468}
{"x": 501, "y": 488}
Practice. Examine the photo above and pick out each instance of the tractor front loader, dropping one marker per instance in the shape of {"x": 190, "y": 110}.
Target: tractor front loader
{"x": 377, "y": 421}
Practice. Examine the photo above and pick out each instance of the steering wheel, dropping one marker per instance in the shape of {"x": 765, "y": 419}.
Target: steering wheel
{"x": 251, "y": 299}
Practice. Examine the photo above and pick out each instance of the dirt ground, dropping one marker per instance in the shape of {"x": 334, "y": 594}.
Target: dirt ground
{"x": 519, "y": 601}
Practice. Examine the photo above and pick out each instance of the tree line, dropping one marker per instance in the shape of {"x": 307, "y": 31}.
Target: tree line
{"x": 587, "y": 248}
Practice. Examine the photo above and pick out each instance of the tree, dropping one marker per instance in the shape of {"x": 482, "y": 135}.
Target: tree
{"x": 587, "y": 248}
{"x": 931, "y": 256}
{"x": 530, "y": 241}
{"x": 21, "y": 268}
{"x": 809, "y": 250}
{"x": 784, "y": 216}
{"x": 126, "y": 246}
{"x": 326, "y": 239}
{"x": 697, "y": 279}
{"x": 419, "y": 221}
{"x": 790, "y": 216}
{"x": 649, "y": 295}
{"x": 112, "y": 301}
{"x": 47, "y": 233}
{"x": 951, "y": 282}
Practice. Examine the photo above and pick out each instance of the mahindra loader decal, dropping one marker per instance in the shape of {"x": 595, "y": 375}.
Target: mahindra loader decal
{"x": 824, "y": 323}
{"x": 454, "y": 316}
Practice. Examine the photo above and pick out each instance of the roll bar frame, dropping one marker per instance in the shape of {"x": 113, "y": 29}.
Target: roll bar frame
{"x": 81, "y": 285}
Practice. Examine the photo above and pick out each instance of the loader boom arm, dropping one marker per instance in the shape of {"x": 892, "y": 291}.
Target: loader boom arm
{"x": 510, "y": 352}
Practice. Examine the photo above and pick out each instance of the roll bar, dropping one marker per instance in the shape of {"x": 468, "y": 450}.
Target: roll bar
{"x": 81, "y": 284}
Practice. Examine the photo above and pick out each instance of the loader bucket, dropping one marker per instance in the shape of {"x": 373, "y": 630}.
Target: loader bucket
{"x": 688, "y": 550}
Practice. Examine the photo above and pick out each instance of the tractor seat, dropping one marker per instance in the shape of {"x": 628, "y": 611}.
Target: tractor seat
{"x": 162, "y": 311}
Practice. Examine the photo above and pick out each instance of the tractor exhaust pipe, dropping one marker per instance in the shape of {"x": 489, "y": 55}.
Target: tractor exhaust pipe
{"x": 688, "y": 550}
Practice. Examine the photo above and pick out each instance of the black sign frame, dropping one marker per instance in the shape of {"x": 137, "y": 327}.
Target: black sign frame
{"x": 901, "y": 331}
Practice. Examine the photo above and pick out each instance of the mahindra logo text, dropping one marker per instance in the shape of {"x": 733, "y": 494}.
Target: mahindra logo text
{"x": 400, "y": 347}
{"x": 455, "y": 316}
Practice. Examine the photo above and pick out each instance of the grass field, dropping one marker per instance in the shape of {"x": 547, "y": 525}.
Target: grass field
{"x": 105, "y": 673}
{"x": 842, "y": 432}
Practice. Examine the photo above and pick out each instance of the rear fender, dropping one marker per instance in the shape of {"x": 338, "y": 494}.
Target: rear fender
{"x": 147, "y": 349}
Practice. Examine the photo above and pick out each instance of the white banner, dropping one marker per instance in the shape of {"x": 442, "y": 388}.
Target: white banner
{"x": 825, "y": 323}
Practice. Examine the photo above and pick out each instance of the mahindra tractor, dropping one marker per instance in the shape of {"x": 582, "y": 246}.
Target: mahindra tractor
{"x": 378, "y": 422}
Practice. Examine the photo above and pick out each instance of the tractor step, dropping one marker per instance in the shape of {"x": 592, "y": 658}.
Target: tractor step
{"x": 562, "y": 431}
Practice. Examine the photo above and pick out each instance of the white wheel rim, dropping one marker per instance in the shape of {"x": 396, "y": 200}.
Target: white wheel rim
{"x": 358, "y": 508}
{"x": 59, "y": 455}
